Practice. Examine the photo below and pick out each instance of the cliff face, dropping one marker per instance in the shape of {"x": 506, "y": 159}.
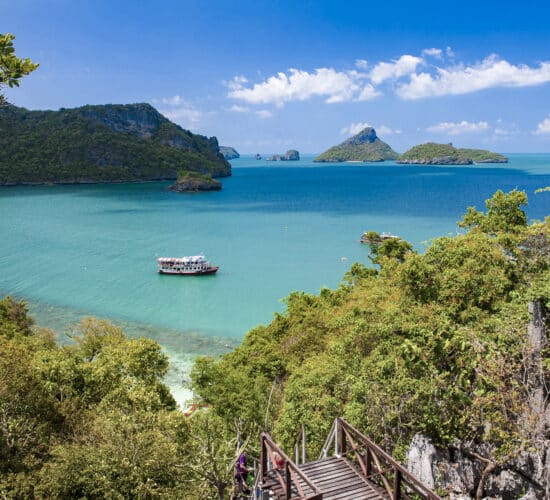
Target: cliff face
{"x": 100, "y": 144}
{"x": 364, "y": 146}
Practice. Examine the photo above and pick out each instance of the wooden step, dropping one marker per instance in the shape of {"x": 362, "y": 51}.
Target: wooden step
{"x": 337, "y": 478}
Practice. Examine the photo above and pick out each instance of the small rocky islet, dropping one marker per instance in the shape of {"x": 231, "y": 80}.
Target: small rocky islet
{"x": 193, "y": 182}
{"x": 290, "y": 155}
{"x": 229, "y": 153}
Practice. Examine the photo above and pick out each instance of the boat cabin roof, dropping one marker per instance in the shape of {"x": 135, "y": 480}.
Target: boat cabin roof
{"x": 192, "y": 259}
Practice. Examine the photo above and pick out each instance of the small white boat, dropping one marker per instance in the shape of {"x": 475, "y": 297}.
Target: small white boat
{"x": 187, "y": 266}
{"x": 377, "y": 238}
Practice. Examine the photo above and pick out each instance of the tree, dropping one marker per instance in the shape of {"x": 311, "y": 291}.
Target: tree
{"x": 12, "y": 68}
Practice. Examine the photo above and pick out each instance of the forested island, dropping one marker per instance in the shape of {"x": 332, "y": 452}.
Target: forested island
{"x": 433, "y": 153}
{"x": 107, "y": 143}
{"x": 367, "y": 147}
{"x": 448, "y": 348}
{"x": 364, "y": 146}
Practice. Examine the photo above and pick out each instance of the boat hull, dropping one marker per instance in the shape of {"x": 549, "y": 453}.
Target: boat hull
{"x": 209, "y": 270}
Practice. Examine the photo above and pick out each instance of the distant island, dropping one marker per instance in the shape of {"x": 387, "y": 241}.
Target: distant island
{"x": 229, "y": 153}
{"x": 364, "y": 146}
{"x": 188, "y": 181}
{"x": 433, "y": 153}
{"x": 107, "y": 143}
{"x": 290, "y": 155}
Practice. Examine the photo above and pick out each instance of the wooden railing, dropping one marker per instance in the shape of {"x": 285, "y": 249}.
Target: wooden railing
{"x": 376, "y": 465}
{"x": 300, "y": 446}
{"x": 289, "y": 477}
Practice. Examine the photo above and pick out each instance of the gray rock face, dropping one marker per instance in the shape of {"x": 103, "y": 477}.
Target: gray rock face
{"x": 456, "y": 469}
{"x": 442, "y": 160}
{"x": 290, "y": 155}
{"x": 139, "y": 119}
{"x": 193, "y": 185}
{"x": 455, "y": 472}
{"x": 229, "y": 153}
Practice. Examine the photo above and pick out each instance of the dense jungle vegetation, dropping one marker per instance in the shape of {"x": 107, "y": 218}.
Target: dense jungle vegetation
{"x": 100, "y": 144}
{"x": 428, "y": 342}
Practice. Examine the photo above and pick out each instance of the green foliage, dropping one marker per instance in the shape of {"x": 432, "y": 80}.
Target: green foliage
{"x": 12, "y": 68}
{"x": 14, "y": 320}
{"x": 89, "y": 420}
{"x": 100, "y": 144}
{"x": 435, "y": 153}
{"x": 430, "y": 343}
{"x": 482, "y": 156}
{"x": 504, "y": 214}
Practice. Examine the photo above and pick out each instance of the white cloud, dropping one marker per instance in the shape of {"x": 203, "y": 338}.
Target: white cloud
{"x": 298, "y": 85}
{"x": 239, "y": 109}
{"x": 368, "y": 92}
{"x": 180, "y": 111}
{"x": 361, "y": 63}
{"x": 405, "y": 65}
{"x": 449, "y": 52}
{"x": 264, "y": 113}
{"x": 491, "y": 72}
{"x": 354, "y": 128}
{"x": 543, "y": 127}
{"x": 383, "y": 130}
{"x": 433, "y": 52}
{"x": 236, "y": 83}
{"x": 456, "y": 128}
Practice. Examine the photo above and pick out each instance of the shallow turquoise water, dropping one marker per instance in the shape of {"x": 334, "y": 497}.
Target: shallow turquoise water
{"x": 83, "y": 250}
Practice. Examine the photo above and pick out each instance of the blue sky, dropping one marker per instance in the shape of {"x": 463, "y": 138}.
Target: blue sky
{"x": 266, "y": 76}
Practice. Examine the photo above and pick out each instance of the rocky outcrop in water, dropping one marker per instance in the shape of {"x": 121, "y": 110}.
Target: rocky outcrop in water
{"x": 290, "y": 155}
{"x": 192, "y": 182}
{"x": 229, "y": 153}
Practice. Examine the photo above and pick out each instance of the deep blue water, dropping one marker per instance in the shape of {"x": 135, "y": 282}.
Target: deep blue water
{"x": 83, "y": 250}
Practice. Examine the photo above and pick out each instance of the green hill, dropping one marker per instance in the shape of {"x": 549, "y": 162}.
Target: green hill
{"x": 433, "y": 153}
{"x": 100, "y": 144}
{"x": 364, "y": 146}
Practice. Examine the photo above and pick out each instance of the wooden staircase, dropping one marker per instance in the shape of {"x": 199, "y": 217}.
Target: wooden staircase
{"x": 358, "y": 470}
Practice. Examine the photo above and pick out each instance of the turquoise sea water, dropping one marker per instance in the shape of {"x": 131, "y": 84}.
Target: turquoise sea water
{"x": 73, "y": 251}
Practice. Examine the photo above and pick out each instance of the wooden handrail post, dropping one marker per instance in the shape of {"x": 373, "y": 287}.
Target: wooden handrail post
{"x": 336, "y": 432}
{"x": 303, "y": 444}
{"x": 263, "y": 458}
{"x": 288, "y": 482}
{"x": 342, "y": 440}
{"x": 396, "y": 484}
{"x": 368, "y": 462}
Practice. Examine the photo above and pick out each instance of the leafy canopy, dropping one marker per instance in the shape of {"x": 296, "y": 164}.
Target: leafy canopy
{"x": 12, "y": 68}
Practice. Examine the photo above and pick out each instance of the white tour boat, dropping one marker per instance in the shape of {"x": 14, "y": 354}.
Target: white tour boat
{"x": 187, "y": 266}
